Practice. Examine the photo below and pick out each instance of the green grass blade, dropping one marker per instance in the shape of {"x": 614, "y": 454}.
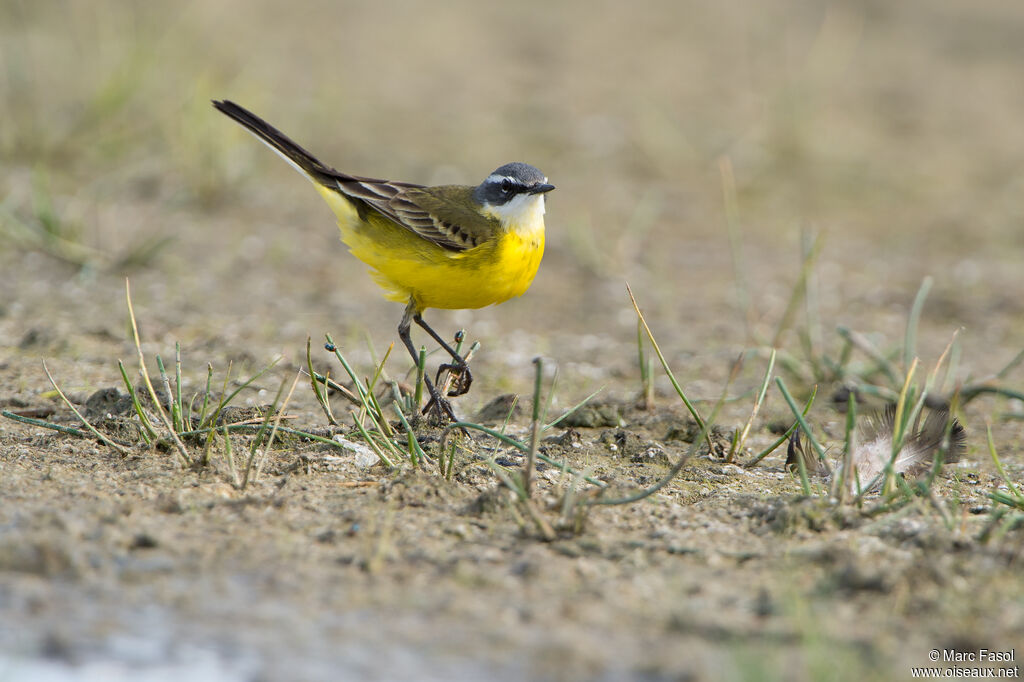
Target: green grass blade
{"x": 739, "y": 441}
{"x": 206, "y": 394}
{"x": 522, "y": 447}
{"x": 421, "y": 371}
{"x": 371, "y": 442}
{"x": 148, "y": 433}
{"x": 531, "y": 453}
{"x": 999, "y": 466}
{"x": 227, "y": 400}
{"x": 784, "y": 437}
{"x": 668, "y": 371}
{"x": 678, "y": 466}
{"x": 106, "y": 441}
{"x": 913, "y": 320}
{"x": 184, "y": 420}
{"x": 568, "y": 412}
{"x": 416, "y": 454}
{"x": 45, "y": 424}
{"x": 799, "y": 290}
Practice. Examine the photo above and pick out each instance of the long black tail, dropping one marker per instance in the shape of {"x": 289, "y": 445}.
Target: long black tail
{"x": 302, "y": 160}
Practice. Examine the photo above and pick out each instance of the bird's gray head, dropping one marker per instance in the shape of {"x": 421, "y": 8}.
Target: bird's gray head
{"x": 510, "y": 181}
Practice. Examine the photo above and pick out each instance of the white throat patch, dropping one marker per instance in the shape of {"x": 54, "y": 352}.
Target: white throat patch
{"x": 523, "y": 214}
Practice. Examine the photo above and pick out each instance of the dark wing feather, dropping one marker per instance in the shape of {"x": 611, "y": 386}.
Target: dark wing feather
{"x": 444, "y": 215}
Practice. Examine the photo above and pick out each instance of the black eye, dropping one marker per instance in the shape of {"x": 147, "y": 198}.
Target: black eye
{"x": 506, "y": 186}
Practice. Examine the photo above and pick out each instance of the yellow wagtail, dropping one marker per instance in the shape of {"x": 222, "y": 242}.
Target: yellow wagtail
{"x": 449, "y": 246}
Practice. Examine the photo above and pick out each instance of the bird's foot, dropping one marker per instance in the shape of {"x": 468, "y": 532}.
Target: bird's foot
{"x": 441, "y": 407}
{"x": 463, "y": 378}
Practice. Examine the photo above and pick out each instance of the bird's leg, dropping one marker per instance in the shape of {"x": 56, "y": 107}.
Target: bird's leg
{"x": 458, "y": 364}
{"x": 443, "y": 407}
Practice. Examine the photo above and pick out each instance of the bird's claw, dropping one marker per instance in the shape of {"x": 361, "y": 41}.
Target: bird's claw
{"x": 443, "y": 407}
{"x": 463, "y": 378}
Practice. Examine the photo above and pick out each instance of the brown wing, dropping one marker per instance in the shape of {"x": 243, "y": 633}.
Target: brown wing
{"x": 425, "y": 211}
{"x": 444, "y": 215}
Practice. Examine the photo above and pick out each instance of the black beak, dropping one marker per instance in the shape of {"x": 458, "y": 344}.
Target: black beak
{"x": 540, "y": 189}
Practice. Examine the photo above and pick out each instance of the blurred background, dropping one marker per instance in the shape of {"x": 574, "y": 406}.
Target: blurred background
{"x": 889, "y": 131}
{"x": 701, "y": 152}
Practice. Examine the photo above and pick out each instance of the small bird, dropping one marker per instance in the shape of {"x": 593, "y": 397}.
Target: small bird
{"x": 448, "y": 246}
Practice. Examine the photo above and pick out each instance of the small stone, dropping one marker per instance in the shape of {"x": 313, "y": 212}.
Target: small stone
{"x": 364, "y": 456}
{"x": 498, "y": 410}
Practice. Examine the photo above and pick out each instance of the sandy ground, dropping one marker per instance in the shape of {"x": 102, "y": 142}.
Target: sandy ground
{"x": 889, "y": 132}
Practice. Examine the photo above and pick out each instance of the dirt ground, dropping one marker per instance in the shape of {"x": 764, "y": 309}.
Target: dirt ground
{"x": 888, "y": 132}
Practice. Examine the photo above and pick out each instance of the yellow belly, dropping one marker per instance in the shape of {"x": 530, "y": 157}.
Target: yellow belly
{"x": 408, "y": 267}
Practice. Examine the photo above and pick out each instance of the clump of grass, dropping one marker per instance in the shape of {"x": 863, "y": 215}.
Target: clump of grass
{"x": 177, "y": 419}
{"x": 369, "y": 418}
{"x": 668, "y": 372}
{"x": 522, "y": 485}
{"x": 257, "y": 454}
{"x": 787, "y": 434}
{"x": 806, "y": 430}
{"x": 909, "y": 394}
{"x": 165, "y": 419}
{"x": 880, "y": 376}
{"x": 573, "y": 505}
{"x": 906, "y": 415}
{"x": 705, "y": 425}
{"x": 862, "y": 368}
{"x": 740, "y": 439}
{"x": 1009, "y": 514}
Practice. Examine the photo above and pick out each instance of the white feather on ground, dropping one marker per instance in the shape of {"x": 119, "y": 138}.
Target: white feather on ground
{"x": 873, "y": 450}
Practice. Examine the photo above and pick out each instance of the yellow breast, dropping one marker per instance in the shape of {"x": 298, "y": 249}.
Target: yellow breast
{"x": 411, "y": 268}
